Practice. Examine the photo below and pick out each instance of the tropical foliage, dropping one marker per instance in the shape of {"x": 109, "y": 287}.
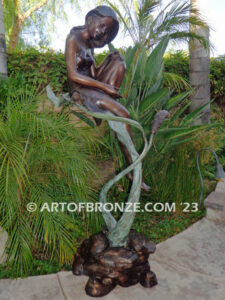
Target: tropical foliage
{"x": 178, "y": 62}
{"x": 144, "y": 93}
{"x": 43, "y": 159}
{"x": 147, "y": 22}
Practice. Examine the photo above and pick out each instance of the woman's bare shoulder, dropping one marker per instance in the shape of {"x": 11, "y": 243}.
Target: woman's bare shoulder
{"x": 74, "y": 37}
{"x": 75, "y": 33}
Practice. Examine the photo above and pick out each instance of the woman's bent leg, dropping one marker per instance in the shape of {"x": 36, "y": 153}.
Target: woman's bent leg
{"x": 112, "y": 70}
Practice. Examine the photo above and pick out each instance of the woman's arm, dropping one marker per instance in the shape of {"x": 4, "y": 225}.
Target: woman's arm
{"x": 73, "y": 47}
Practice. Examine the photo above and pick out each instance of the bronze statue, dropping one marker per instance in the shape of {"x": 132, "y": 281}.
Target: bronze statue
{"x": 118, "y": 254}
{"x": 97, "y": 87}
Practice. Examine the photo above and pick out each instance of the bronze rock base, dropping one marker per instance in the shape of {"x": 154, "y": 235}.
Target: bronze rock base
{"x": 108, "y": 266}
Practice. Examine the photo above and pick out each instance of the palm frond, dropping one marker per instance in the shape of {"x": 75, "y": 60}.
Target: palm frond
{"x": 44, "y": 158}
{"x": 176, "y": 81}
{"x": 173, "y": 20}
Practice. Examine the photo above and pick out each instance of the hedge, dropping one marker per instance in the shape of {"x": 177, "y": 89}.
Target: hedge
{"x": 39, "y": 68}
{"x": 178, "y": 62}
{"x": 49, "y": 66}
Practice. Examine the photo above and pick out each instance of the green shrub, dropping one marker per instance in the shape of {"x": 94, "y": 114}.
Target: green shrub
{"x": 42, "y": 68}
{"x": 177, "y": 62}
{"x": 217, "y": 79}
{"x": 39, "y": 68}
{"x": 174, "y": 177}
{"x": 43, "y": 159}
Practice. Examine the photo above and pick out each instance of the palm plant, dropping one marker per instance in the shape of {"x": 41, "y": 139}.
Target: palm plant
{"x": 147, "y": 88}
{"x": 43, "y": 159}
{"x": 147, "y": 24}
{"x": 144, "y": 26}
{"x": 144, "y": 93}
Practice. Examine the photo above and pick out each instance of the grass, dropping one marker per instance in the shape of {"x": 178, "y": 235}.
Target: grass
{"x": 161, "y": 226}
{"x": 38, "y": 267}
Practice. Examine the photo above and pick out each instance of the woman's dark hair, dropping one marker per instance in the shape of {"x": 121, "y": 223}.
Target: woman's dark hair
{"x": 105, "y": 11}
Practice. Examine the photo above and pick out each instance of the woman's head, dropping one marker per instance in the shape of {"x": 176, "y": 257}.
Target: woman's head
{"x": 102, "y": 24}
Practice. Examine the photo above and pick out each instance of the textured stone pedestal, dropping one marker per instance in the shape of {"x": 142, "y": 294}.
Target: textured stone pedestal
{"x": 108, "y": 266}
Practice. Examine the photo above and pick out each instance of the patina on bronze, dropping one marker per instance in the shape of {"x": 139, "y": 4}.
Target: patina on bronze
{"x": 97, "y": 87}
{"x": 108, "y": 266}
{"x": 116, "y": 255}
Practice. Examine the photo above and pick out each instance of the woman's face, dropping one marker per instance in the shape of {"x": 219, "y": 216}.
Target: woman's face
{"x": 99, "y": 30}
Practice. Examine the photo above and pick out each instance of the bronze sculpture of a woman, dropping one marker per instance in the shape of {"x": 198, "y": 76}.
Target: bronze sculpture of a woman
{"x": 117, "y": 254}
{"x": 97, "y": 87}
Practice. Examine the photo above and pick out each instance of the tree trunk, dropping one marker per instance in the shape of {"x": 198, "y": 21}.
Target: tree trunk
{"x": 19, "y": 20}
{"x": 14, "y": 37}
{"x": 3, "y": 64}
{"x": 199, "y": 74}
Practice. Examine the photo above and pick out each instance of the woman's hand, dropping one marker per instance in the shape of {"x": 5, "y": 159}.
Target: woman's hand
{"x": 111, "y": 91}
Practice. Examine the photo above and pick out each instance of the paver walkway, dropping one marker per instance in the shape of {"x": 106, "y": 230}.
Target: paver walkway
{"x": 189, "y": 266}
